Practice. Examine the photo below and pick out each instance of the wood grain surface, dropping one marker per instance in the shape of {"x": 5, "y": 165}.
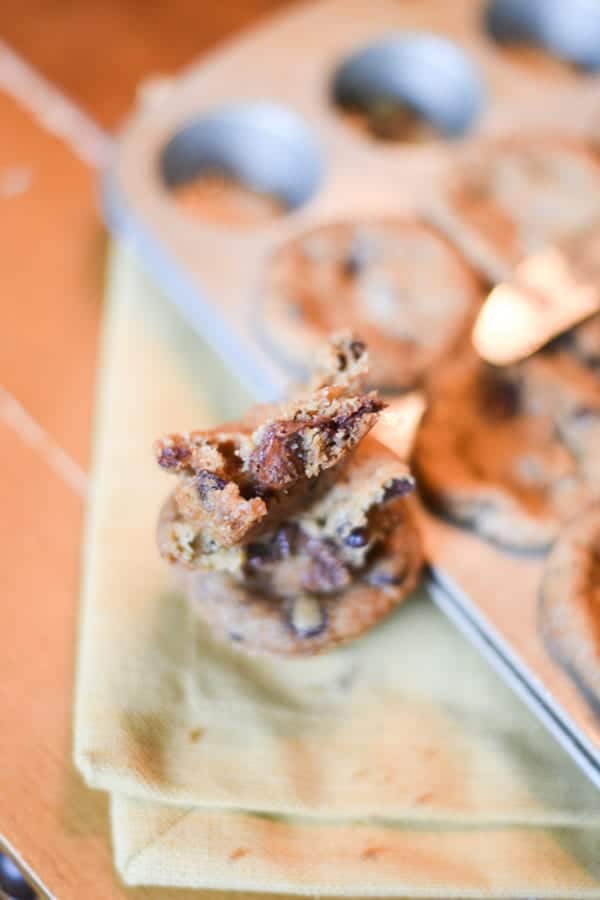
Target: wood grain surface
{"x": 51, "y": 278}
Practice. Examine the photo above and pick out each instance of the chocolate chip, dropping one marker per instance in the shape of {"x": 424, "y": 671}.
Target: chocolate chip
{"x": 346, "y": 421}
{"x": 206, "y": 482}
{"x": 387, "y": 574}
{"x": 174, "y": 457}
{"x": 500, "y": 396}
{"x": 399, "y": 487}
{"x": 358, "y": 258}
{"x": 280, "y": 546}
{"x": 285, "y": 540}
{"x": 358, "y": 537}
{"x": 357, "y": 348}
{"x": 258, "y": 555}
{"x": 342, "y": 362}
{"x": 278, "y": 460}
{"x": 592, "y": 360}
{"x": 327, "y": 572}
{"x": 306, "y": 616}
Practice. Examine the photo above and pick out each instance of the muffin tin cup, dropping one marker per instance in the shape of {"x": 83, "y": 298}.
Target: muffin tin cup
{"x": 263, "y": 110}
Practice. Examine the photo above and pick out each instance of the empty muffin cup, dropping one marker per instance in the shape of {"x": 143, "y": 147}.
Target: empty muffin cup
{"x": 410, "y": 85}
{"x": 242, "y": 165}
{"x": 567, "y": 31}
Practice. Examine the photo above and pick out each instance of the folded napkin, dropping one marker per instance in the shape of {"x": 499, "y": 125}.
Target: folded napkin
{"x": 397, "y": 765}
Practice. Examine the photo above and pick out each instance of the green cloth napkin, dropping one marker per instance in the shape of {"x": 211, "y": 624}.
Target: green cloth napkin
{"x": 399, "y": 765}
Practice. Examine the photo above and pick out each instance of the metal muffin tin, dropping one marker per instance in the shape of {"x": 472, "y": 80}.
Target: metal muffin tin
{"x": 262, "y": 108}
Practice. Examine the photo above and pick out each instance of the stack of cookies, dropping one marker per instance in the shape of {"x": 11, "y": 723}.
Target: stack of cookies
{"x": 292, "y": 529}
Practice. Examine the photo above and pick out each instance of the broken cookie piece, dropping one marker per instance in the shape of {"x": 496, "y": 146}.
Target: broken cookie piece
{"x": 235, "y": 481}
{"x": 292, "y": 528}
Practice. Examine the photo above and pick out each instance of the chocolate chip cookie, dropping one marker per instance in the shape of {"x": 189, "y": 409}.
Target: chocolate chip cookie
{"x": 400, "y": 284}
{"x": 569, "y": 610}
{"x": 523, "y": 193}
{"x": 512, "y": 452}
{"x": 292, "y": 529}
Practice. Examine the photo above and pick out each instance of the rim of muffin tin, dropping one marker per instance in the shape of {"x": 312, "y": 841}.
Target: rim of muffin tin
{"x": 272, "y": 148}
{"x": 260, "y": 143}
{"x": 314, "y": 143}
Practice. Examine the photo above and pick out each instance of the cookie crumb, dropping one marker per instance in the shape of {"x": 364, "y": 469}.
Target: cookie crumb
{"x": 424, "y": 798}
{"x": 238, "y": 853}
{"x": 196, "y": 734}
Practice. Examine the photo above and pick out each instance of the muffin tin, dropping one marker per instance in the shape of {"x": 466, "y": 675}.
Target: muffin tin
{"x": 271, "y": 109}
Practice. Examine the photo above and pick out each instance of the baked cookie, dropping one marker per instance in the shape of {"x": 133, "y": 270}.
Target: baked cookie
{"x": 523, "y": 193}
{"x": 511, "y": 452}
{"x": 569, "y": 608}
{"x": 399, "y": 284}
{"x": 291, "y": 529}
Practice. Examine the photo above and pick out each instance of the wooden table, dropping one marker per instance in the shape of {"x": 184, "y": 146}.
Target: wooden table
{"x": 51, "y": 273}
